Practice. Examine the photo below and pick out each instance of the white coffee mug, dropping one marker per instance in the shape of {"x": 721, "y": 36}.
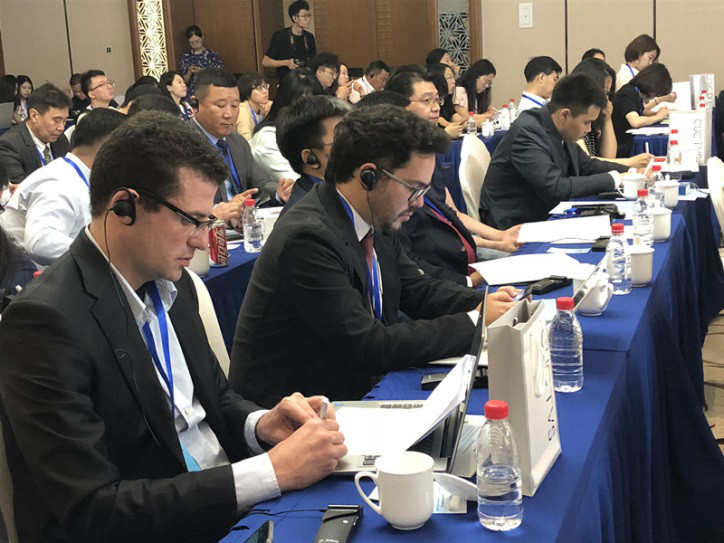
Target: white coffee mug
{"x": 662, "y": 223}
{"x": 405, "y": 486}
{"x": 200, "y": 262}
{"x": 671, "y": 192}
{"x": 488, "y": 129}
{"x": 642, "y": 264}
{"x": 632, "y": 182}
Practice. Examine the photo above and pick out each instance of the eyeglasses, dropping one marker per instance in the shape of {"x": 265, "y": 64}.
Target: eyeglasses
{"x": 194, "y": 225}
{"x": 415, "y": 192}
{"x": 430, "y": 101}
{"x": 305, "y": 16}
{"x": 331, "y": 71}
{"x": 262, "y": 87}
{"x": 104, "y": 84}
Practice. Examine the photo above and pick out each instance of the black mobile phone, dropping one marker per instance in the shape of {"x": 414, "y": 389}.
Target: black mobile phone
{"x": 552, "y": 283}
{"x": 338, "y": 523}
{"x": 265, "y": 534}
{"x": 600, "y": 244}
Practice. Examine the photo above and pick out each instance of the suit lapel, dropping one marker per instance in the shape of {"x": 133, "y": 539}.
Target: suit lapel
{"x": 114, "y": 317}
{"x": 221, "y": 195}
{"x": 31, "y": 149}
{"x": 555, "y": 140}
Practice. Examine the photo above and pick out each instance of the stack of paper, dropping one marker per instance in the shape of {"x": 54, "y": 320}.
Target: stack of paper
{"x": 578, "y": 230}
{"x": 526, "y": 268}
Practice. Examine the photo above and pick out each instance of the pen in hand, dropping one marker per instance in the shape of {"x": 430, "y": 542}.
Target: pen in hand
{"x": 323, "y": 409}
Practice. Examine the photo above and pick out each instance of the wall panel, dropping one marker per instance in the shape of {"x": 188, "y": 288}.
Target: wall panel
{"x": 228, "y": 27}
{"x": 348, "y": 29}
{"x": 178, "y": 15}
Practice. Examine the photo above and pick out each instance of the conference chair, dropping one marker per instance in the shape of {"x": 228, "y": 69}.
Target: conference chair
{"x": 211, "y": 323}
{"x": 6, "y": 494}
{"x": 715, "y": 177}
{"x": 474, "y": 162}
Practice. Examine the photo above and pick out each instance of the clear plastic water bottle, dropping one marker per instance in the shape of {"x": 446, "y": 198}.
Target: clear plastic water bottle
{"x": 472, "y": 126}
{"x": 618, "y": 261}
{"x": 504, "y": 118}
{"x": 253, "y": 228}
{"x": 500, "y": 499}
{"x": 643, "y": 223}
{"x": 566, "y": 344}
{"x": 513, "y": 110}
{"x": 673, "y": 158}
{"x": 656, "y": 196}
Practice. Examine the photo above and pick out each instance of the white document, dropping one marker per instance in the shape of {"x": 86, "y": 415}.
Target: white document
{"x": 649, "y": 131}
{"x": 624, "y": 206}
{"x": 525, "y": 268}
{"x": 455, "y": 359}
{"x": 578, "y": 230}
{"x": 383, "y": 431}
{"x": 569, "y": 250}
{"x": 683, "y": 98}
{"x": 694, "y": 194}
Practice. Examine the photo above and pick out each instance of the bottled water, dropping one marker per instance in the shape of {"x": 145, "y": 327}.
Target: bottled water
{"x": 618, "y": 261}
{"x": 504, "y": 118}
{"x": 472, "y": 126}
{"x": 643, "y": 222}
{"x": 500, "y": 500}
{"x": 512, "y": 110}
{"x": 253, "y": 228}
{"x": 673, "y": 158}
{"x": 656, "y": 195}
{"x": 566, "y": 345}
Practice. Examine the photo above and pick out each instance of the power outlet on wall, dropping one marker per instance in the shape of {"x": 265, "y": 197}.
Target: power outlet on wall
{"x": 108, "y": 49}
{"x": 525, "y": 15}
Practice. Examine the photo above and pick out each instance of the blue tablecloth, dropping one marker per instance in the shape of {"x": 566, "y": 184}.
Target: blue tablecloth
{"x": 639, "y": 462}
{"x": 227, "y": 287}
{"x": 450, "y": 163}
{"x": 659, "y": 143}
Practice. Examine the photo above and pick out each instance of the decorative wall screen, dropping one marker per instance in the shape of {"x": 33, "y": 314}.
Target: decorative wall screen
{"x": 152, "y": 37}
{"x": 454, "y": 30}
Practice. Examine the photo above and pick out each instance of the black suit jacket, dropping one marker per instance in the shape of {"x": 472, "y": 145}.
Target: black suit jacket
{"x": 90, "y": 441}
{"x": 19, "y": 154}
{"x": 305, "y": 323}
{"x": 531, "y": 172}
{"x": 300, "y": 189}
{"x": 251, "y": 175}
{"x": 434, "y": 245}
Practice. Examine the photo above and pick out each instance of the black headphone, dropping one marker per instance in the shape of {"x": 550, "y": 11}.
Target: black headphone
{"x": 125, "y": 207}
{"x": 312, "y": 159}
{"x": 369, "y": 178}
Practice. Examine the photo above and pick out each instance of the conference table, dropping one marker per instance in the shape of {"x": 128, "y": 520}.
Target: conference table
{"x": 658, "y": 144}
{"x": 638, "y": 462}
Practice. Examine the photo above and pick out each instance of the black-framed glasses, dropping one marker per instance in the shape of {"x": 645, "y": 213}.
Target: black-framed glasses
{"x": 430, "y": 101}
{"x": 195, "y": 226}
{"x": 415, "y": 192}
{"x": 262, "y": 87}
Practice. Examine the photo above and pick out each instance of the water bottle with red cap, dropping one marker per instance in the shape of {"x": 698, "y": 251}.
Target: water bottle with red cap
{"x": 566, "y": 346}
{"x": 643, "y": 221}
{"x": 253, "y": 227}
{"x": 500, "y": 499}
{"x": 618, "y": 261}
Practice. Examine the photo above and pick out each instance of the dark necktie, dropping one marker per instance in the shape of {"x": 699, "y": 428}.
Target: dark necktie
{"x": 367, "y": 244}
{"x": 223, "y": 148}
{"x": 46, "y": 154}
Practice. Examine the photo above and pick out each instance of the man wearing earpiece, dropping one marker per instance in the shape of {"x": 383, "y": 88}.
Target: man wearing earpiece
{"x": 119, "y": 423}
{"x": 321, "y": 309}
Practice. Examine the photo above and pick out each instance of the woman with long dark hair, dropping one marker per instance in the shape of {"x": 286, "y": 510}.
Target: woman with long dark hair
{"x": 198, "y": 58}
{"x": 473, "y": 91}
{"x": 296, "y": 84}
{"x": 172, "y": 84}
{"x": 8, "y": 88}
{"x": 444, "y": 79}
{"x": 25, "y": 87}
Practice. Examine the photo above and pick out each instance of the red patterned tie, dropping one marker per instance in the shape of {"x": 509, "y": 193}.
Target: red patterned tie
{"x": 367, "y": 244}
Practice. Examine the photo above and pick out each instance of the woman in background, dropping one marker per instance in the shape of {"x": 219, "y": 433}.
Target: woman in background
{"x": 641, "y": 52}
{"x": 444, "y": 79}
{"x": 25, "y": 87}
{"x": 473, "y": 91}
{"x": 198, "y": 58}
{"x": 172, "y": 84}
{"x": 441, "y": 56}
{"x": 343, "y": 86}
{"x": 255, "y": 104}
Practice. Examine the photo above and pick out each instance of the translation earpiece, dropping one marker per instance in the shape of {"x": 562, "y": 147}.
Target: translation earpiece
{"x": 125, "y": 207}
{"x": 312, "y": 159}
{"x": 369, "y": 178}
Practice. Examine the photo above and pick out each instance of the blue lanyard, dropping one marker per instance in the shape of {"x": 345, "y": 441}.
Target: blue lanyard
{"x": 42, "y": 160}
{"x": 541, "y": 104}
{"x": 229, "y": 162}
{"x": 163, "y": 326}
{"x": 630, "y": 69}
{"x": 253, "y": 114}
{"x": 317, "y": 180}
{"x": 432, "y": 206}
{"x": 373, "y": 283}
{"x": 77, "y": 169}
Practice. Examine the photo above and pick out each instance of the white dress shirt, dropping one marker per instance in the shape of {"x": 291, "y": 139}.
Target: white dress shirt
{"x": 40, "y": 146}
{"x": 265, "y": 150}
{"x": 214, "y": 140}
{"x": 355, "y": 96}
{"x": 625, "y": 74}
{"x": 254, "y": 478}
{"x": 48, "y": 210}
{"x": 531, "y": 101}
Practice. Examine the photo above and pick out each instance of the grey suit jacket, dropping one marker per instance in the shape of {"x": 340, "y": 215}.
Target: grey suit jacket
{"x": 19, "y": 154}
{"x": 529, "y": 173}
{"x": 251, "y": 175}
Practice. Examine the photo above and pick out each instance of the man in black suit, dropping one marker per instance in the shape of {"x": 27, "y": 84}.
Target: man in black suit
{"x": 118, "y": 421}
{"x": 442, "y": 240}
{"x": 321, "y": 309}
{"x": 305, "y": 136}
{"x": 34, "y": 143}
{"x": 539, "y": 163}
{"x": 218, "y": 100}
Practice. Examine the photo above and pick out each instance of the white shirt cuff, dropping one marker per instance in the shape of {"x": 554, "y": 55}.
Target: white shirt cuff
{"x": 469, "y": 282}
{"x": 250, "y": 431}
{"x": 616, "y": 178}
{"x": 474, "y": 315}
{"x": 254, "y": 481}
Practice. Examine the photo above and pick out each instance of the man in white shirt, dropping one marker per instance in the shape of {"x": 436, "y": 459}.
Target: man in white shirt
{"x": 542, "y": 74}
{"x": 375, "y": 79}
{"x": 52, "y": 205}
{"x": 121, "y": 423}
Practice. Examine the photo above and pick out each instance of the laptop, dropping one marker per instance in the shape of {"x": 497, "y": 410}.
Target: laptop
{"x": 443, "y": 443}
{"x": 6, "y": 115}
